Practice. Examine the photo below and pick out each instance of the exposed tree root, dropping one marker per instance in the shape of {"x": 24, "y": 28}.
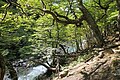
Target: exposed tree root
{"x": 104, "y": 66}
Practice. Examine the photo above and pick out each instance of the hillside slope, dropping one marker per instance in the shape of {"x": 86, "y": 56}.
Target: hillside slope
{"x": 104, "y": 66}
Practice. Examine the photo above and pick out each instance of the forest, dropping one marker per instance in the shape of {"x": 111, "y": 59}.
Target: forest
{"x": 59, "y": 39}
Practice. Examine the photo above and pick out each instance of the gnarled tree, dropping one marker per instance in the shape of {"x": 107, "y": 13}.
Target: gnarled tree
{"x": 77, "y": 21}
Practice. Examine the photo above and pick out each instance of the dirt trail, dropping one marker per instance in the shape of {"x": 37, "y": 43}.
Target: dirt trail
{"x": 105, "y": 66}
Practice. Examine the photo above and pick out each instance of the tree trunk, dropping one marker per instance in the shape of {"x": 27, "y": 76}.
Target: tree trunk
{"x": 2, "y": 67}
{"x": 63, "y": 48}
{"x": 80, "y": 41}
{"x": 77, "y": 45}
{"x": 92, "y": 24}
{"x": 118, "y": 5}
{"x": 76, "y": 40}
{"x": 12, "y": 71}
{"x": 4, "y": 63}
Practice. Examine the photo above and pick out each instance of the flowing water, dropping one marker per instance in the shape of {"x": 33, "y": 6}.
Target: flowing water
{"x": 33, "y": 72}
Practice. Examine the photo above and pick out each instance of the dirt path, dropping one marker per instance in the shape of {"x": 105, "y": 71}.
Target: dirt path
{"x": 105, "y": 66}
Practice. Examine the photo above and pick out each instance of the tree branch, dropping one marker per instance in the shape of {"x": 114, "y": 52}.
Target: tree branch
{"x": 103, "y": 7}
{"x": 70, "y": 9}
{"x": 57, "y": 17}
{"x": 61, "y": 16}
{"x": 101, "y": 17}
{"x": 43, "y": 4}
{"x": 19, "y": 6}
{"x": 5, "y": 12}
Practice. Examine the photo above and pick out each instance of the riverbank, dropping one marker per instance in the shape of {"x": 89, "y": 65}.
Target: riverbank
{"x": 105, "y": 65}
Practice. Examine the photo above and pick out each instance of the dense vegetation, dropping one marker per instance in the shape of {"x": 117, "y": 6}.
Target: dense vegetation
{"x": 39, "y": 27}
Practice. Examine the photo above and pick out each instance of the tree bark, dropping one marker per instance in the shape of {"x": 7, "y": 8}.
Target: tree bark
{"x": 3, "y": 63}
{"x": 80, "y": 41}
{"x": 13, "y": 74}
{"x": 2, "y": 67}
{"x": 118, "y": 5}
{"x": 63, "y": 48}
{"x": 92, "y": 24}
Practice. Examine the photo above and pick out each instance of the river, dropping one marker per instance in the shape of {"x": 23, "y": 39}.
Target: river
{"x": 33, "y": 72}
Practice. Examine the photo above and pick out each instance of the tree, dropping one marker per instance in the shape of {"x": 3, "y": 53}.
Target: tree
{"x": 2, "y": 67}
{"x": 86, "y": 16}
{"x": 91, "y": 21}
{"x": 118, "y": 5}
{"x": 30, "y": 26}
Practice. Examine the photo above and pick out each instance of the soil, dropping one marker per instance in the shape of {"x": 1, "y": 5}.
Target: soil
{"x": 104, "y": 66}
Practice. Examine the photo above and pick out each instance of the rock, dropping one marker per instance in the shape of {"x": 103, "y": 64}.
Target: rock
{"x": 108, "y": 51}
{"x": 64, "y": 73}
{"x": 105, "y": 66}
{"x": 101, "y": 54}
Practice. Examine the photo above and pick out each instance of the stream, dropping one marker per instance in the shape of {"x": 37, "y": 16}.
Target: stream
{"x": 28, "y": 73}
{"x": 32, "y": 73}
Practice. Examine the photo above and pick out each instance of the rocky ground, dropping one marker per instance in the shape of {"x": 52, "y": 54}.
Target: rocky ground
{"x": 104, "y": 66}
